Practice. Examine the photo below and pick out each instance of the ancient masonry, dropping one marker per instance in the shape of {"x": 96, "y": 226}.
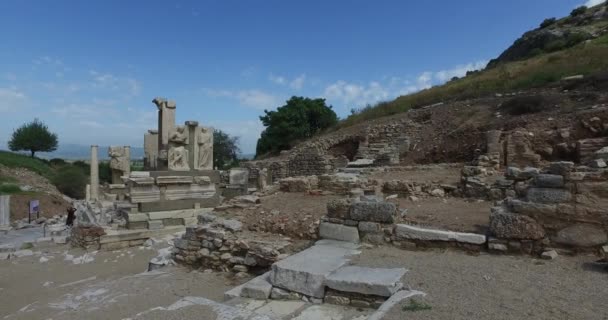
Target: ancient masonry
{"x": 179, "y": 180}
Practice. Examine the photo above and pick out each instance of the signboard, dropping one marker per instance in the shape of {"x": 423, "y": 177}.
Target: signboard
{"x": 34, "y": 209}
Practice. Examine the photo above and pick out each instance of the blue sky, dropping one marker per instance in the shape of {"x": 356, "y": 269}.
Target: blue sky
{"x": 90, "y": 69}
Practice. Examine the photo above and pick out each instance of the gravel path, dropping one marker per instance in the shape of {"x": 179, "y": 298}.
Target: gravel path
{"x": 461, "y": 286}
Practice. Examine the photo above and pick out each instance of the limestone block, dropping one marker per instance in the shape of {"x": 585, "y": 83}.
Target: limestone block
{"x": 549, "y": 255}
{"x": 162, "y": 180}
{"x": 155, "y": 225}
{"x": 581, "y": 235}
{"x": 549, "y": 181}
{"x": 404, "y": 231}
{"x": 371, "y": 227}
{"x": 239, "y": 176}
{"x": 602, "y": 153}
{"x": 280, "y": 294}
{"x": 532, "y": 208}
{"x": 176, "y": 214}
{"x": 257, "y": 288}
{"x": 514, "y": 226}
{"x": 548, "y": 195}
{"x": 338, "y": 232}
{"x": 305, "y": 272}
{"x": 339, "y": 208}
{"x": 140, "y": 181}
{"x": 137, "y": 217}
{"x": 597, "y": 163}
{"x": 561, "y": 167}
{"x": 145, "y": 193}
{"x": 369, "y": 281}
{"x": 189, "y": 191}
{"x": 373, "y": 211}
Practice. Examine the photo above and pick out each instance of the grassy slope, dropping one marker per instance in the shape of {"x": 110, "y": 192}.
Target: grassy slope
{"x": 8, "y": 185}
{"x": 585, "y": 58}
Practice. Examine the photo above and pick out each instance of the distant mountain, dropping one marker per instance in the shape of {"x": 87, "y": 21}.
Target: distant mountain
{"x": 83, "y": 152}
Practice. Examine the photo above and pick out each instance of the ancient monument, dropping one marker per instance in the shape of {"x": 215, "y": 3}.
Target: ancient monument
{"x": 179, "y": 177}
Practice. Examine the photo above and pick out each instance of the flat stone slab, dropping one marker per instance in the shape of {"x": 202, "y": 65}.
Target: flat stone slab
{"x": 393, "y": 301}
{"x": 404, "y": 231}
{"x": 371, "y": 281}
{"x": 257, "y": 288}
{"x": 338, "y": 232}
{"x": 305, "y": 272}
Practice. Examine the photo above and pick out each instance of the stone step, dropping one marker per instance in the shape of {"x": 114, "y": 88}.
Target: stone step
{"x": 369, "y": 281}
{"x": 305, "y": 272}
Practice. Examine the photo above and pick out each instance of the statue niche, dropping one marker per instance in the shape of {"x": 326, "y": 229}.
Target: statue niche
{"x": 178, "y": 159}
{"x": 120, "y": 163}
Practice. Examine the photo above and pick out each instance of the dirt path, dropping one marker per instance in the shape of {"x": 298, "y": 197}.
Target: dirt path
{"x": 461, "y": 286}
{"x": 102, "y": 285}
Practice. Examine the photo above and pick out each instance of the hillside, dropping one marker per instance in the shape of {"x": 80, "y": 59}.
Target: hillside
{"x": 574, "y": 45}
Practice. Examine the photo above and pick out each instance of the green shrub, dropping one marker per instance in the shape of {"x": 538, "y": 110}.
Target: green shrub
{"x": 71, "y": 181}
{"x": 547, "y": 22}
{"x": 414, "y": 305}
{"x": 578, "y": 11}
{"x": 57, "y": 162}
{"x": 16, "y": 160}
{"x": 85, "y": 167}
{"x": 105, "y": 173}
{"x": 9, "y": 188}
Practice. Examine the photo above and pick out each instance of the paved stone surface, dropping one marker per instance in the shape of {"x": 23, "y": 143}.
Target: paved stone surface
{"x": 280, "y": 309}
{"x": 338, "y": 232}
{"x": 257, "y": 288}
{"x": 305, "y": 272}
{"x": 404, "y": 231}
{"x": 371, "y": 281}
{"x": 332, "y": 312}
{"x": 221, "y": 311}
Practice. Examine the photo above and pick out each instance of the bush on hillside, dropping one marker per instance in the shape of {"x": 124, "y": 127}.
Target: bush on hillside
{"x": 105, "y": 173}
{"x": 525, "y": 105}
{"x": 71, "y": 181}
{"x": 578, "y": 11}
{"x": 57, "y": 162}
{"x": 547, "y": 22}
{"x": 8, "y": 188}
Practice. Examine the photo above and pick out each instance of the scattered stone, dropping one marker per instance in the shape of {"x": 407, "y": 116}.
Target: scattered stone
{"x": 248, "y": 199}
{"x": 549, "y": 181}
{"x": 23, "y": 253}
{"x": 549, "y": 255}
{"x": 60, "y": 239}
{"x": 339, "y": 208}
{"x": 498, "y": 247}
{"x": 231, "y": 225}
{"x": 581, "y": 235}
{"x": 598, "y": 163}
{"x": 438, "y": 193}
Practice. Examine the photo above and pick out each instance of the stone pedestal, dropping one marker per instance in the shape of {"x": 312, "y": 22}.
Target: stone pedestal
{"x": 94, "y": 173}
{"x": 5, "y": 211}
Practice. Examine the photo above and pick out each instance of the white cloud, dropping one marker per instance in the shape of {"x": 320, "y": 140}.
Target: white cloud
{"x": 296, "y": 83}
{"x": 108, "y": 81}
{"x": 11, "y": 99}
{"x": 351, "y": 93}
{"x": 253, "y": 98}
{"x": 591, "y": 3}
{"x": 459, "y": 71}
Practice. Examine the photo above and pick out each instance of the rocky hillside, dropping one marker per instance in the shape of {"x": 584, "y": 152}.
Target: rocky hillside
{"x": 553, "y": 35}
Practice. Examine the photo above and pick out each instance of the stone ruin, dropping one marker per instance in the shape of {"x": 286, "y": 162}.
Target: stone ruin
{"x": 177, "y": 182}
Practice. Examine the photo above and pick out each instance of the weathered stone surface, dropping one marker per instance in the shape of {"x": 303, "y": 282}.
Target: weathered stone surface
{"x": 581, "y": 235}
{"x": 548, "y": 195}
{"x": 515, "y": 226}
{"x": 280, "y": 294}
{"x": 549, "y": 181}
{"x": 298, "y": 184}
{"x": 257, "y": 288}
{"x": 338, "y": 232}
{"x": 239, "y": 176}
{"x": 137, "y": 217}
{"x": 549, "y": 255}
{"x": 597, "y": 163}
{"x": 339, "y": 208}
{"x": 404, "y": 231}
{"x": 365, "y": 226}
{"x": 337, "y": 300}
{"x": 373, "y": 211}
{"x": 369, "y": 281}
{"x": 155, "y": 224}
{"x": 602, "y": 153}
{"x": 561, "y": 167}
{"x": 305, "y": 272}
{"x": 532, "y": 208}
{"x": 518, "y": 174}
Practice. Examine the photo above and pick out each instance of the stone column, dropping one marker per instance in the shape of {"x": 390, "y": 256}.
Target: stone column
{"x": 150, "y": 149}
{"x": 94, "y": 174}
{"x": 166, "y": 123}
{"x": 5, "y": 211}
{"x": 128, "y": 157}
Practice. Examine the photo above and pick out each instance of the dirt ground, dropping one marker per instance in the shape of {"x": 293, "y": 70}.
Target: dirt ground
{"x": 455, "y": 214}
{"x": 112, "y": 285}
{"x": 438, "y": 174}
{"x": 290, "y": 214}
{"x": 50, "y": 205}
{"x": 461, "y": 286}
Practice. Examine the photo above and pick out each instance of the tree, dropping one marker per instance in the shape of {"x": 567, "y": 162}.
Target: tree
{"x": 547, "y": 22}
{"x": 34, "y": 136}
{"x": 578, "y": 11}
{"x": 298, "y": 119}
{"x": 225, "y": 150}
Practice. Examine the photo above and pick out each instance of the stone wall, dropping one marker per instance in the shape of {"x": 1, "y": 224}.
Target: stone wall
{"x": 563, "y": 206}
{"x": 219, "y": 244}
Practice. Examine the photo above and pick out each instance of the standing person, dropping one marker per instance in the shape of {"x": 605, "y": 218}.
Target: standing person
{"x": 71, "y": 216}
